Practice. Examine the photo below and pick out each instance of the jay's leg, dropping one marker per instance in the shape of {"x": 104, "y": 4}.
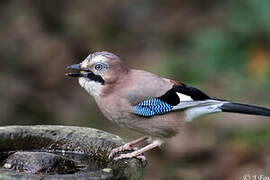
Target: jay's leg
{"x": 127, "y": 146}
{"x": 139, "y": 151}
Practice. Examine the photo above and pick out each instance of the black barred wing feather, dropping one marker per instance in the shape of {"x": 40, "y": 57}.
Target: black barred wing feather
{"x": 152, "y": 107}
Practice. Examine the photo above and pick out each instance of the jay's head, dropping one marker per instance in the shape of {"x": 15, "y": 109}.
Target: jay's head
{"x": 98, "y": 70}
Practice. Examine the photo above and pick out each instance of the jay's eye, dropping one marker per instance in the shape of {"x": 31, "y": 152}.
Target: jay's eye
{"x": 99, "y": 67}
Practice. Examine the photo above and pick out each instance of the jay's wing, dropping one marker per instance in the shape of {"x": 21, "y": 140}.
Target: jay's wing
{"x": 180, "y": 96}
{"x": 194, "y": 102}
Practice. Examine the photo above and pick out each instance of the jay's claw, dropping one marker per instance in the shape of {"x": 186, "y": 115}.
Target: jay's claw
{"x": 128, "y": 146}
{"x": 139, "y": 152}
{"x": 125, "y": 156}
{"x": 142, "y": 158}
{"x": 120, "y": 149}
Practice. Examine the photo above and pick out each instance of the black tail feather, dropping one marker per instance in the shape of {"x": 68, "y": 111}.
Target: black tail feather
{"x": 245, "y": 109}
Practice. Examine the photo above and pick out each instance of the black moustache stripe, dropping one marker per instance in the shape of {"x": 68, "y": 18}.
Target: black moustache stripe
{"x": 96, "y": 78}
{"x": 90, "y": 75}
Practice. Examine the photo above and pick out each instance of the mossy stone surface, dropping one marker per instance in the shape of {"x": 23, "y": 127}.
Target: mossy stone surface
{"x": 93, "y": 142}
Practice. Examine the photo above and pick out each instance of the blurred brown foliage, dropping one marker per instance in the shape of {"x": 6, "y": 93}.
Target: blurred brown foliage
{"x": 220, "y": 47}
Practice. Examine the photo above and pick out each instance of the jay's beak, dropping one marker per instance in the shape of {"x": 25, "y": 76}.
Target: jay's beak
{"x": 74, "y": 67}
{"x": 84, "y": 72}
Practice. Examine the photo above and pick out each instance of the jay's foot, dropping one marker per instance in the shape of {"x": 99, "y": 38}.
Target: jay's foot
{"x": 142, "y": 158}
{"x": 128, "y": 146}
{"x": 139, "y": 152}
{"x": 120, "y": 149}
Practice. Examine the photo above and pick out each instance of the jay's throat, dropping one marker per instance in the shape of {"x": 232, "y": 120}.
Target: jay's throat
{"x": 84, "y": 72}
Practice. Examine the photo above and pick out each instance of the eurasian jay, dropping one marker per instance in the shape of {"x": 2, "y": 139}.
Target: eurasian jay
{"x": 155, "y": 106}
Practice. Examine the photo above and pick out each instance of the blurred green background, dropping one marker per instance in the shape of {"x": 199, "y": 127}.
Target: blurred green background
{"x": 221, "y": 47}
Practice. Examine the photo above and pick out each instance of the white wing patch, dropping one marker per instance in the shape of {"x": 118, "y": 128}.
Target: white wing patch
{"x": 184, "y": 97}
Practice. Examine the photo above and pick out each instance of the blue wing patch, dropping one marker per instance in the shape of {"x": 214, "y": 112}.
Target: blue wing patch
{"x": 152, "y": 107}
